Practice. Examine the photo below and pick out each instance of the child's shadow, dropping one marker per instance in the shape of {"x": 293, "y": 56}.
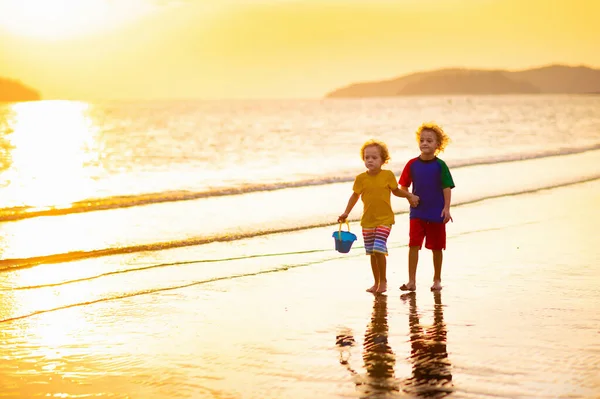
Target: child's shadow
{"x": 432, "y": 375}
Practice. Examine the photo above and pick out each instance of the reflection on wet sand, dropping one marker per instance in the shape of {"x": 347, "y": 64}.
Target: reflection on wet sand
{"x": 431, "y": 369}
{"x": 378, "y": 357}
{"x": 432, "y": 376}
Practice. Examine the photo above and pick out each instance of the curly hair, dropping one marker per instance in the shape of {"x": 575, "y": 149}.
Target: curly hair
{"x": 383, "y": 150}
{"x": 442, "y": 138}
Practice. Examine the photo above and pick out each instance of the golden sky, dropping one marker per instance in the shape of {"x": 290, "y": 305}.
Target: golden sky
{"x": 136, "y": 49}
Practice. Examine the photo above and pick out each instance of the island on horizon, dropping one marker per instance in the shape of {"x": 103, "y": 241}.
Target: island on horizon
{"x": 12, "y": 90}
{"x": 551, "y": 79}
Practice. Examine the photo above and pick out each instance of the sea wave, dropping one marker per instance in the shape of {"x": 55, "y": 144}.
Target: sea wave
{"x": 12, "y": 264}
{"x": 127, "y": 201}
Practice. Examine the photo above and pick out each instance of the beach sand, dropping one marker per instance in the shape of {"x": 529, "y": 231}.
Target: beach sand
{"x": 517, "y": 318}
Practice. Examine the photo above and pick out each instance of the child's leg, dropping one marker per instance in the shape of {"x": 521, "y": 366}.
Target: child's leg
{"x": 413, "y": 261}
{"x": 369, "y": 239}
{"x": 382, "y": 270}
{"x": 380, "y": 252}
{"x": 375, "y": 269}
{"x": 416, "y": 236}
{"x": 438, "y": 257}
{"x": 436, "y": 241}
{"x": 437, "y": 269}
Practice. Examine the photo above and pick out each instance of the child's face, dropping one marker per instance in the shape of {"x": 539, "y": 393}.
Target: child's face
{"x": 373, "y": 160}
{"x": 428, "y": 143}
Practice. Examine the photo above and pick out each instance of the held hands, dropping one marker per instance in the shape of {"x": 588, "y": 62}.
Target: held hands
{"x": 342, "y": 218}
{"x": 446, "y": 215}
{"x": 413, "y": 200}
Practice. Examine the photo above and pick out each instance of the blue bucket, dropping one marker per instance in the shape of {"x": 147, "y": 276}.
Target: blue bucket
{"x": 343, "y": 239}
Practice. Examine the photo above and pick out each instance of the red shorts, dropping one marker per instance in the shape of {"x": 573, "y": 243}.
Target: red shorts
{"x": 433, "y": 233}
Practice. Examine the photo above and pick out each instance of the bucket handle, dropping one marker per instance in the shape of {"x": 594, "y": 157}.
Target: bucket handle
{"x": 340, "y": 230}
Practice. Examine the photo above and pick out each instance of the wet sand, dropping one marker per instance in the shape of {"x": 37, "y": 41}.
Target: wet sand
{"x": 517, "y": 317}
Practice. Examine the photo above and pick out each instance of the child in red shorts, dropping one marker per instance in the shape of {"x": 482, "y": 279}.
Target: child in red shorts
{"x": 432, "y": 183}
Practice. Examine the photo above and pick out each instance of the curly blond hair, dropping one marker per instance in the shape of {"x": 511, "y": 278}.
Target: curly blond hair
{"x": 442, "y": 138}
{"x": 383, "y": 150}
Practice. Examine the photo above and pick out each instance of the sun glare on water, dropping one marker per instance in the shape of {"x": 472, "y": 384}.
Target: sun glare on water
{"x": 62, "y": 19}
{"x": 53, "y": 152}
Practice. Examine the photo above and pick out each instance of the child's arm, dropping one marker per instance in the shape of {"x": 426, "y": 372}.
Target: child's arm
{"x": 351, "y": 202}
{"x": 446, "y": 211}
{"x": 403, "y": 192}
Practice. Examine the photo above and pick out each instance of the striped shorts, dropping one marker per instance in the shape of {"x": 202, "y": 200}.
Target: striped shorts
{"x": 376, "y": 239}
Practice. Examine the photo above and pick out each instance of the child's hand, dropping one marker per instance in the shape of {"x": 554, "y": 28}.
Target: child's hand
{"x": 413, "y": 200}
{"x": 446, "y": 215}
{"x": 342, "y": 218}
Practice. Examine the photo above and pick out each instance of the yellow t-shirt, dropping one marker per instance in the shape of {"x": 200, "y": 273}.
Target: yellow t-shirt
{"x": 375, "y": 194}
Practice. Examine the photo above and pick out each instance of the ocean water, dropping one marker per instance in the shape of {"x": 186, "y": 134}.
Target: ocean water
{"x": 226, "y": 169}
{"x": 106, "y": 203}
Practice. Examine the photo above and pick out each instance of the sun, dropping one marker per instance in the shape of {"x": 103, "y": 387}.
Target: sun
{"x": 60, "y": 19}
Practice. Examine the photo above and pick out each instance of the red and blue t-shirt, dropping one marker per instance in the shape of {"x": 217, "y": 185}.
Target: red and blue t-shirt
{"x": 429, "y": 179}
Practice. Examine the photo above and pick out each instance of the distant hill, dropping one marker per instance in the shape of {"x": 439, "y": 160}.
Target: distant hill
{"x": 13, "y": 91}
{"x": 549, "y": 79}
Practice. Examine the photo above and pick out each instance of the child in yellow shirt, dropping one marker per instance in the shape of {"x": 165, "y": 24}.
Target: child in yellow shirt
{"x": 374, "y": 187}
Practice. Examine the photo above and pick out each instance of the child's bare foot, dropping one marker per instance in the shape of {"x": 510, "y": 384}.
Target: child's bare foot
{"x": 437, "y": 286}
{"x": 382, "y": 288}
{"x": 408, "y": 287}
{"x": 372, "y": 289}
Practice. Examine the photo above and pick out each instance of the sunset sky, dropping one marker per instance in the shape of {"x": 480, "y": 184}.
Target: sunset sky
{"x": 137, "y": 49}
